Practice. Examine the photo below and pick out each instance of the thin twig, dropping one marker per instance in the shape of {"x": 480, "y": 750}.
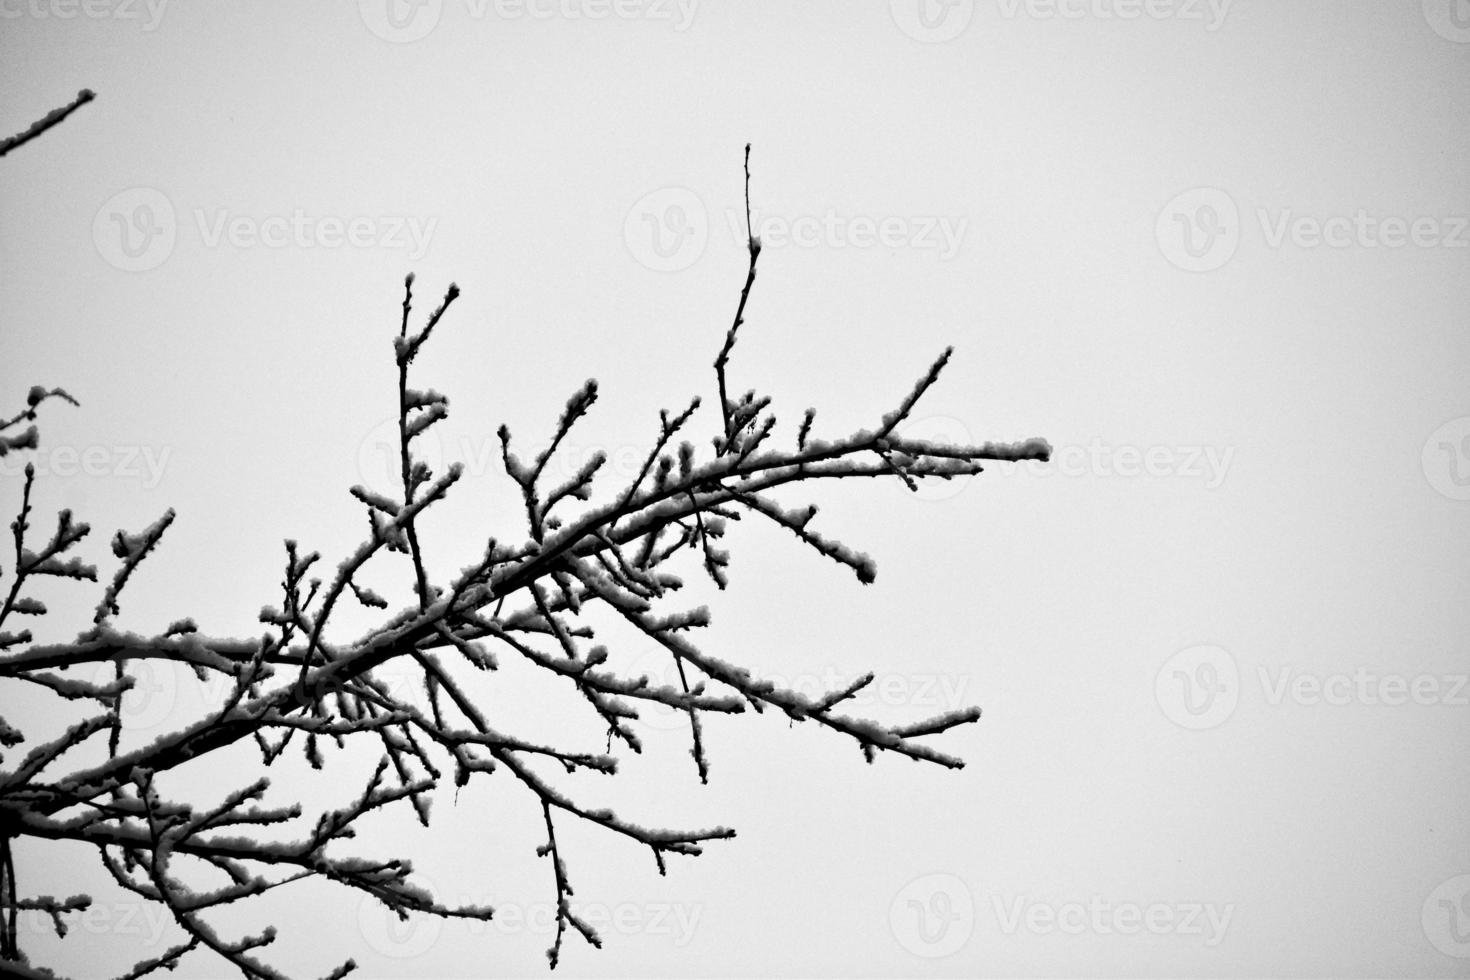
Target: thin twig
{"x": 52, "y": 118}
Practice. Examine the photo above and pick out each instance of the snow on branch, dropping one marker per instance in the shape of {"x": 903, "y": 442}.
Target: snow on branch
{"x": 301, "y": 683}
{"x": 52, "y": 118}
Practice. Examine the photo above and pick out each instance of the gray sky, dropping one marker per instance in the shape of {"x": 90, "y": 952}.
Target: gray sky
{"x": 1215, "y": 252}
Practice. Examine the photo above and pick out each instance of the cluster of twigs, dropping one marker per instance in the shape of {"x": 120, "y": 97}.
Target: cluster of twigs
{"x": 525, "y": 600}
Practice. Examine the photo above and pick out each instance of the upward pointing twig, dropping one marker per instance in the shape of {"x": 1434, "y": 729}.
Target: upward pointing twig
{"x": 753, "y": 243}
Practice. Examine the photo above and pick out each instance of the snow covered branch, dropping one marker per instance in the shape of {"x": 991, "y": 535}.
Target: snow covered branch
{"x": 52, "y": 118}
{"x": 300, "y": 681}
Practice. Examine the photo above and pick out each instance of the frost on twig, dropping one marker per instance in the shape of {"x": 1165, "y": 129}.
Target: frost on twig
{"x": 301, "y": 684}
{"x": 52, "y": 118}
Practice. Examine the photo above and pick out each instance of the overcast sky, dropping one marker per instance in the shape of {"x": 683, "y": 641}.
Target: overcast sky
{"x": 1217, "y": 253}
